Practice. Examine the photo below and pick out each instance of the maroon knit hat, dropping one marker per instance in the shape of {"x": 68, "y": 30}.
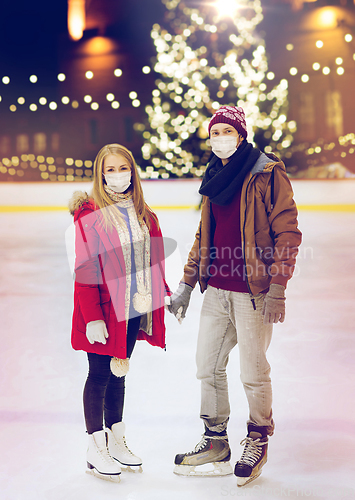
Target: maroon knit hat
{"x": 232, "y": 115}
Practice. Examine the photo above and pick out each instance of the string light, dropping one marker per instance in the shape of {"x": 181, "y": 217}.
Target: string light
{"x": 49, "y": 168}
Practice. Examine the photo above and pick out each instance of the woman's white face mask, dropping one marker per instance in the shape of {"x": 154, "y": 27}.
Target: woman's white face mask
{"x": 118, "y": 181}
{"x": 224, "y": 146}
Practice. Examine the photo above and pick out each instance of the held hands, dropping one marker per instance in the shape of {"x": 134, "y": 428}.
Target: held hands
{"x": 178, "y": 303}
{"x": 96, "y": 331}
{"x": 274, "y": 304}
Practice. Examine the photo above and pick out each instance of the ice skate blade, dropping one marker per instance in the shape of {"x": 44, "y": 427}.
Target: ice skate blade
{"x": 136, "y": 469}
{"x": 113, "y": 478}
{"x": 210, "y": 469}
{"x": 242, "y": 481}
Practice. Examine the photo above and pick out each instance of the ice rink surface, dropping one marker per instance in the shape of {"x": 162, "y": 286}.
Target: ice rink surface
{"x": 42, "y": 434}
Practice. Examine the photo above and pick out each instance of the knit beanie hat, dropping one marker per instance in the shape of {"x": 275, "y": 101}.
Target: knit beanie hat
{"x": 232, "y": 115}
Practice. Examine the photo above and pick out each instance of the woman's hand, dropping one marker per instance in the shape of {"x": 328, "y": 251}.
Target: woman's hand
{"x": 96, "y": 331}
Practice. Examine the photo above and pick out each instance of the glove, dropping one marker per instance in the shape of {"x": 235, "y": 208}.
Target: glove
{"x": 179, "y": 301}
{"x": 274, "y": 304}
{"x": 96, "y": 331}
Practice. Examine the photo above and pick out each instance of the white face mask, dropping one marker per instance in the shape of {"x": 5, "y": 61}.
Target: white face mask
{"x": 224, "y": 146}
{"x": 118, "y": 181}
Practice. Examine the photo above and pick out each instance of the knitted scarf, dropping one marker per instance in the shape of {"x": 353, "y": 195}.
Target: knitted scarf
{"x": 142, "y": 300}
{"x": 220, "y": 183}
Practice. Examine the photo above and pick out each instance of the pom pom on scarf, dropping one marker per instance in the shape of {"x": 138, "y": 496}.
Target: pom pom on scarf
{"x": 119, "y": 367}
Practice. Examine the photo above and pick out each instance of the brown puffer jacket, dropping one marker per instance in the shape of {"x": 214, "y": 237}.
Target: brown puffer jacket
{"x": 268, "y": 221}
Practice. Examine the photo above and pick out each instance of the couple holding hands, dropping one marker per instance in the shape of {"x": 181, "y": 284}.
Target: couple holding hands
{"x": 242, "y": 257}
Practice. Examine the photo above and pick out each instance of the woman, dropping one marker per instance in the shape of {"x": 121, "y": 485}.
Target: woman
{"x": 118, "y": 298}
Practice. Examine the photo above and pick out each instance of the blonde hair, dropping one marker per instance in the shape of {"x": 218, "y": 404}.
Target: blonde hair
{"x": 102, "y": 199}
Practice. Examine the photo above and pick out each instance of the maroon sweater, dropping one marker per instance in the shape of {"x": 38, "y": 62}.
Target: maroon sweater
{"x": 227, "y": 263}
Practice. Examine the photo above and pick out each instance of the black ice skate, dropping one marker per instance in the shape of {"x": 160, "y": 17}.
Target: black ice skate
{"x": 253, "y": 457}
{"x": 210, "y": 458}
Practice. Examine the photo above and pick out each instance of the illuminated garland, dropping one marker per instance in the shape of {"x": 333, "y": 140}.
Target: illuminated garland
{"x": 321, "y": 152}
{"x": 207, "y": 59}
{"x": 65, "y": 100}
{"x": 46, "y": 168}
{"x": 41, "y": 168}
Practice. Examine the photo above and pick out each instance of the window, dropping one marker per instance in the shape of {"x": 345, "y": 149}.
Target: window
{"x": 5, "y": 145}
{"x": 55, "y": 142}
{"x": 334, "y": 113}
{"x": 39, "y": 143}
{"x": 94, "y": 136}
{"x": 306, "y": 116}
{"x": 22, "y": 143}
{"x": 128, "y": 125}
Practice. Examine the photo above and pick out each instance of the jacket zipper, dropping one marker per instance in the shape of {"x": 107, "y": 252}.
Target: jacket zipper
{"x": 244, "y": 259}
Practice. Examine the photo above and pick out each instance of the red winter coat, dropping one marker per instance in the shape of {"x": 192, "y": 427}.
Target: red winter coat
{"x": 100, "y": 283}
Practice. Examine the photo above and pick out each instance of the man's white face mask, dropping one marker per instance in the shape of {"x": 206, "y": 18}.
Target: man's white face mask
{"x": 118, "y": 181}
{"x": 224, "y": 146}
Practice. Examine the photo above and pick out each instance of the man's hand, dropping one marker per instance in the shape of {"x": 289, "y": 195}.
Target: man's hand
{"x": 274, "y": 304}
{"x": 179, "y": 301}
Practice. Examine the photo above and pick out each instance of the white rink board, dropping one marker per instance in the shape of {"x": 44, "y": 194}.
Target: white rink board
{"x": 180, "y": 193}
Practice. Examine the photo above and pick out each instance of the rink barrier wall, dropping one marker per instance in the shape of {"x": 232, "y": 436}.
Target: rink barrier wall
{"x": 181, "y": 194}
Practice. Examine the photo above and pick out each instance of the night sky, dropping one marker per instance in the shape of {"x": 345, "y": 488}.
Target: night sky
{"x": 31, "y": 32}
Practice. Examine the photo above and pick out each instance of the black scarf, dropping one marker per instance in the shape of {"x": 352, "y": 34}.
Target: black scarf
{"x": 220, "y": 183}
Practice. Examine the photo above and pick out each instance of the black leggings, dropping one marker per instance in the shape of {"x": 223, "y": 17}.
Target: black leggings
{"x": 104, "y": 392}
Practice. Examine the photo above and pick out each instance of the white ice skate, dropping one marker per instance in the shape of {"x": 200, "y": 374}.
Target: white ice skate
{"x": 99, "y": 461}
{"x": 119, "y": 449}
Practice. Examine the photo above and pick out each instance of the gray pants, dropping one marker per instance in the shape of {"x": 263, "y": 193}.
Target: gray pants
{"x": 228, "y": 318}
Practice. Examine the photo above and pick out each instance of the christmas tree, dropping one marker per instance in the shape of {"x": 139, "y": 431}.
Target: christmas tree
{"x": 209, "y": 53}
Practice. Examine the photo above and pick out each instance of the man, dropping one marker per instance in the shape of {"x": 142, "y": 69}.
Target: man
{"x": 243, "y": 255}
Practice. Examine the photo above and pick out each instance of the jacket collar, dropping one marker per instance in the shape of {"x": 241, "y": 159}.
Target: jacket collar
{"x": 264, "y": 165}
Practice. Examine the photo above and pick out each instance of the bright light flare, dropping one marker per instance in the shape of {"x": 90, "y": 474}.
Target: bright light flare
{"x": 76, "y": 18}
{"x": 226, "y": 8}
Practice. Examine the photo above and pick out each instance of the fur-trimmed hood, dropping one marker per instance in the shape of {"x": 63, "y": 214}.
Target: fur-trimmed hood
{"x": 77, "y": 200}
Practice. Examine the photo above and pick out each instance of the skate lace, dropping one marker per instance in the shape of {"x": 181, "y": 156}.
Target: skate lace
{"x": 126, "y": 447}
{"x": 252, "y": 450}
{"x": 105, "y": 454}
{"x": 199, "y": 445}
